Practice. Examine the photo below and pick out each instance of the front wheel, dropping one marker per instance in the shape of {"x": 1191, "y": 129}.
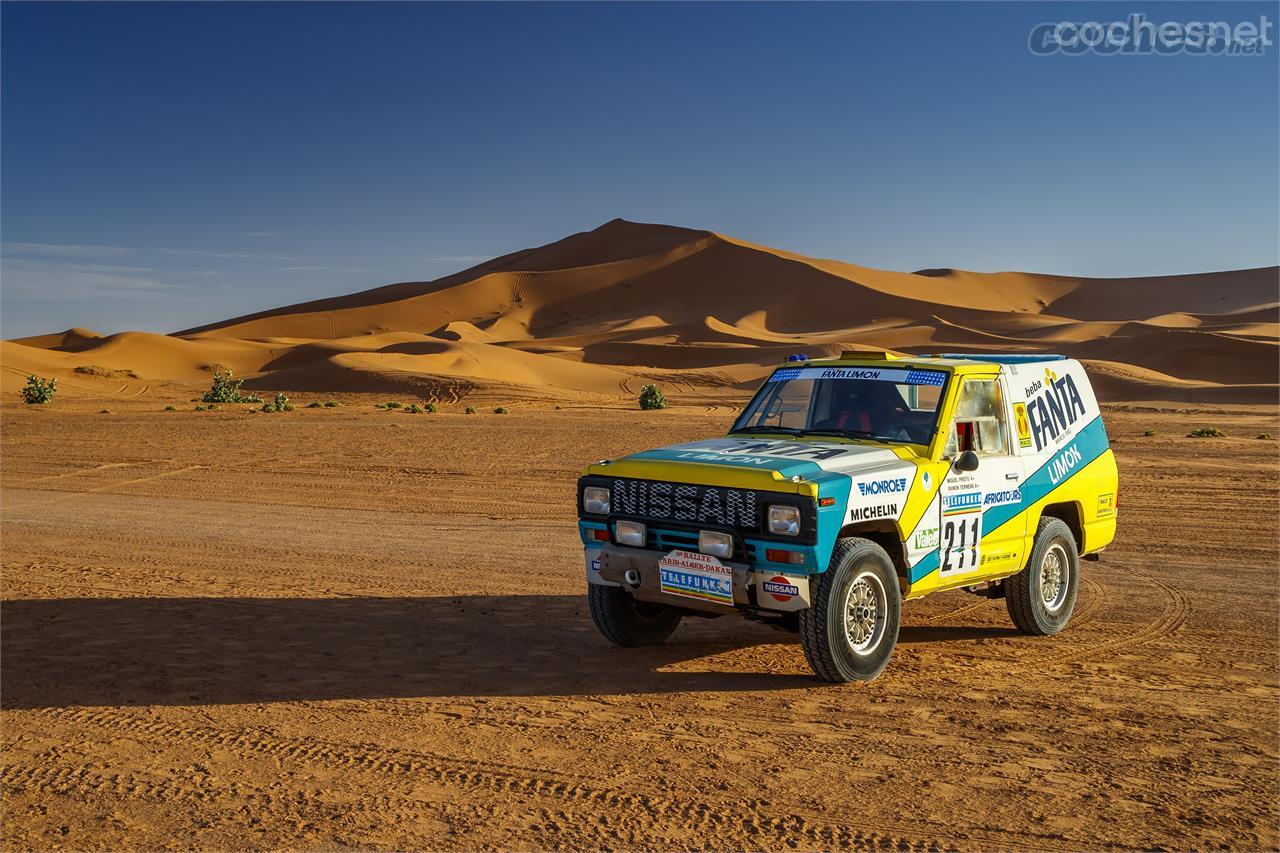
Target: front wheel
{"x": 626, "y": 622}
{"x": 1040, "y": 598}
{"x": 849, "y": 632}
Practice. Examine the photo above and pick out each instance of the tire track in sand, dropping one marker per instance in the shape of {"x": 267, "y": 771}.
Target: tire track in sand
{"x": 1177, "y": 607}
{"x": 748, "y": 818}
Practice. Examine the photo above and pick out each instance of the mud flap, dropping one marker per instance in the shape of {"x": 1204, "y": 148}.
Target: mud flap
{"x": 781, "y": 592}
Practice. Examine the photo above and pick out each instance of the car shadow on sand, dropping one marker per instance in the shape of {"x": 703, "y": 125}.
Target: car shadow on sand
{"x": 180, "y": 651}
{"x": 167, "y": 651}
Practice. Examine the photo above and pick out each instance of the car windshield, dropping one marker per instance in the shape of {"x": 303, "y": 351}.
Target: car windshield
{"x": 884, "y": 404}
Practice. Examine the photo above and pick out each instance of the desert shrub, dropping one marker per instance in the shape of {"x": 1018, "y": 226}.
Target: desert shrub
{"x": 470, "y": 410}
{"x": 651, "y": 398}
{"x": 330, "y": 404}
{"x": 199, "y": 408}
{"x": 314, "y": 404}
{"x": 171, "y": 408}
{"x": 392, "y": 405}
{"x": 227, "y": 390}
{"x": 1207, "y": 432}
{"x": 38, "y": 390}
{"x": 501, "y": 410}
{"x": 104, "y": 411}
{"x": 279, "y": 404}
{"x": 432, "y": 408}
{"x": 414, "y": 409}
{"x": 1264, "y": 435}
{"x": 557, "y": 407}
{"x": 105, "y": 372}
{"x": 1148, "y": 432}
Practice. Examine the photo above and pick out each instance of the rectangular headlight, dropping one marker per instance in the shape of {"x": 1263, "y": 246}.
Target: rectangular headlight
{"x": 595, "y": 500}
{"x": 784, "y": 520}
{"x": 630, "y": 533}
{"x": 715, "y": 544}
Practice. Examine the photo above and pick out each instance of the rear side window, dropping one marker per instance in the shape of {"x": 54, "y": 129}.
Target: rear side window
{"x": 980, "y": 423}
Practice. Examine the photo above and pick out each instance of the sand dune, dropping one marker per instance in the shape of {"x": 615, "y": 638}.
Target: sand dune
{"x": 597, "y": 310}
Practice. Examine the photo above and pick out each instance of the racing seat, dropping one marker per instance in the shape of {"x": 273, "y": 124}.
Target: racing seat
{"x": 965, "y": 431}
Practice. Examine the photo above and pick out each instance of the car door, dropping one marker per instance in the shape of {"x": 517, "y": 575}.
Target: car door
{"x": 980, "y": 527}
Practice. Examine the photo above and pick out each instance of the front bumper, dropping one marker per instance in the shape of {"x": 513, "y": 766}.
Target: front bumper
{"x": 637, "y": 570}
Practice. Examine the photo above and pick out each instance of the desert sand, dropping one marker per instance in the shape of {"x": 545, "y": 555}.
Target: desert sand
{"x": 601, "y": 312}
{"x": 354, "y": 627}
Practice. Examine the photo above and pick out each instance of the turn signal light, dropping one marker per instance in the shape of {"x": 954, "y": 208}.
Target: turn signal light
{"x": 598, "y": 534}
{"x": 778, "y": 555}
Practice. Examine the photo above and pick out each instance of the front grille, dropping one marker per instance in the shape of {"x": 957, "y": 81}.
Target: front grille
{"x": 687, "y": 503}
{"x": 689, "y": 507}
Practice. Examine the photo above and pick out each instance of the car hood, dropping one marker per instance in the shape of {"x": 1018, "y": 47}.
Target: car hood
{"x": 785, "y": 459}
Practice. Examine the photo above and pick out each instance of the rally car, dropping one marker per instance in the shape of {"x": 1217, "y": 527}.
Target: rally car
{"x": 850, "y": 485}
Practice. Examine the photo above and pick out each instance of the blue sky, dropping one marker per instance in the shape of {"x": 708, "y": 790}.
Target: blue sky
{"x": 169, "y": 165}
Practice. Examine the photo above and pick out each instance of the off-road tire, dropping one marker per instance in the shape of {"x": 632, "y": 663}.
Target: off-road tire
{"x": 824, "y": 628}
{"x": 1024, "y": 593}
{"x": 626, "y": 622}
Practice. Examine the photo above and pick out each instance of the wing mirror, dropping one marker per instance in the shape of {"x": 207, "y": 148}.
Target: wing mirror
{"x": 967, "y": 461}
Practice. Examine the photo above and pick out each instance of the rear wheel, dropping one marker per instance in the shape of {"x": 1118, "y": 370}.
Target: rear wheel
{"x": 626, "y": 622}
{"x": 849, "y": 632}
{"x": 1040, "y": 598}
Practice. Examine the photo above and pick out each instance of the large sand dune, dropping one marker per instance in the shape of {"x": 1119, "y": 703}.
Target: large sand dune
{"x": 628, "y": 301}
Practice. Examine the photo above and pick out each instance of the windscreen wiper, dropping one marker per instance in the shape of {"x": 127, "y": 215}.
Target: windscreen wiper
{"x": 846, "y": 433}
{"x": 763, "y": 429}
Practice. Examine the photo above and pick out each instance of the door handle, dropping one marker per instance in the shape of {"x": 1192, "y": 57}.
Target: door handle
{"x": 1011, "y": 476}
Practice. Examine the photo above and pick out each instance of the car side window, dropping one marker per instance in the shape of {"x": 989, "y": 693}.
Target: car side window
{"x": 980, "y": 423}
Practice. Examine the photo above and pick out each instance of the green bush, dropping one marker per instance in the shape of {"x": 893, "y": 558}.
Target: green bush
{"x": 330, "y": 404}
{"x": 1148, "y": 432}
{"x": 314, "y": 405}
{"x": 1207, "y": 432}
{"x": 227, "y": 390}
{"x": 199, "y": 408}
{"x": 279, "y": 404}
{"x": 432, "y": 408}
{"x": 104, "y": 372}
{"x": 414, "y": 409}
{"x": 501, "y": 410}
{"x": 1264, "y": 435}
{"x": 104, "y": 412}
{"x": 392, "y": 405}
{"x": 171, "y": 408}
{"x": 470, "y": 410}
{"x": 651, "y": 398}
{"x": 557, "y": 407}
{"x": 39, "y": 391}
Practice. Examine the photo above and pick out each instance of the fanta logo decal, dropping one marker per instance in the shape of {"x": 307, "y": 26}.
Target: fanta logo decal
{"x": 1055, "y": 410}
{"x": 883, "y": 487}
{"x": 849, "y": 373}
